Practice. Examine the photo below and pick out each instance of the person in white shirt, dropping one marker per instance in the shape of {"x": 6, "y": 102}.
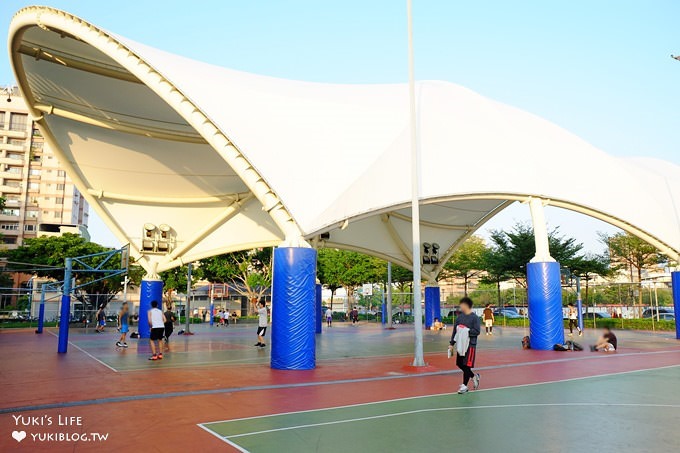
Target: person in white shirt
{"x": 157, "y": 324}
{"x": 329, "y": 317}
{"x": 262, "y": 321}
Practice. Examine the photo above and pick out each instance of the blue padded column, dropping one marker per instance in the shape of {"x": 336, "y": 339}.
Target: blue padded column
{"x": 293, "y": 309}
{"x": 148, "y": 291}
{"x": 319, "y": 314}
{"x": 432, "y": 305}
{"x": 383, "y": 309}
{"x": 544, "y": 288}
{"x": 675, "y": 279}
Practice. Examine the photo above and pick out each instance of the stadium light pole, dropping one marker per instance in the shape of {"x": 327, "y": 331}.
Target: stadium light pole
{"x": 415, "y": 198}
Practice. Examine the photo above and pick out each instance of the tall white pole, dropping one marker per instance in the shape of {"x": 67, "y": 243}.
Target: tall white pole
{"x": 415, "y": 199}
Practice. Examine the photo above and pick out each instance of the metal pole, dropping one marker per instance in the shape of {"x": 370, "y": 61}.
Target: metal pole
{"x": 656, "y": 302}
{"x": 125, "y": 288}
{"x": 65, "y": 308}
{"x": 579, "y": 303}
{"x": 188, "y": 304}
{"x": 418, "y": 359}
{"x": 389, "y": 295}
{"x": 212, "y": 304}
{"x": 41, "y": 313}
{"x": 30, "y": 302}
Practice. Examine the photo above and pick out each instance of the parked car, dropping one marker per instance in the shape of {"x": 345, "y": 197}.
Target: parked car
{"x": 596, "y": 314}
{"x": 514, "y": 310}
{"x": 648, "y": 313}
{"x": 509, "y": 314}
{"x": 453, "y": 313}
{"x": 666, "y": 316}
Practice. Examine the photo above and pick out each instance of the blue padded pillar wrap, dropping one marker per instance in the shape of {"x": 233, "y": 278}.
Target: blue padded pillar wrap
{"x": 148, "y": 291}
{"x": 544, "y": 288}
{"x": 432, "y": 305}
{"x": 383, "y": 309}
{"x": 293, "y": 309}
{"x": 675, "y": 278}
{"x": 319, "y": 315}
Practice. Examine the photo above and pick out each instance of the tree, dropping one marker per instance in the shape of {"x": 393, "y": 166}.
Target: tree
{"x": 343, "y": 268}
{"x": 634, "y": 253}
{"x": 248, "y": 272}
{"x": 497, "y": 267}
{"x": 510, "y": 251}
{"x": 175, "y": 280}
{"x": 329, "y": 271}
{"x": 590, "y": 266}
{"x": 49, "y": 254}
{"x": 518, "y": 247}
{"x": 466, "y": 262}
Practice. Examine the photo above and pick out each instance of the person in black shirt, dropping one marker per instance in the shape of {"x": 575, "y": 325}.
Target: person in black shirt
{"x": 169, "y": 324}
{"x": 466, "y": 329}
{"x": 607, "y": 342}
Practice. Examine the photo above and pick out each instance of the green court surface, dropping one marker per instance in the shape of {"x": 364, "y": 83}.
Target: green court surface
{"x": 632, "y": 411}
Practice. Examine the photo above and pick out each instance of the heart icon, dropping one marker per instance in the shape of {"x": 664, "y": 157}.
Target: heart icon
{"x": 19, "y": 435}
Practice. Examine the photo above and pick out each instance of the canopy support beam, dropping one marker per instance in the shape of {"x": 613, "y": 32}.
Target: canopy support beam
{"x": 398, "y": 241}
{"x": 101, "y": 194}
{"x": 118, "y": 126}
{"x": 217, "y": 222}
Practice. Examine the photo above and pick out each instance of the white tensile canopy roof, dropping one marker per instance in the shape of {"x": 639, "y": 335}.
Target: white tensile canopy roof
{"x": 230, "y": 160}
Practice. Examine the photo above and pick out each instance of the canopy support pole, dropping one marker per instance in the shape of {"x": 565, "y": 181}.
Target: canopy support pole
{"x": 418, "y": 359}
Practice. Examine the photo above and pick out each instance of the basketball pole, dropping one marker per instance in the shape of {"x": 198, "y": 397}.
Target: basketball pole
{"x": 415, "y": 199}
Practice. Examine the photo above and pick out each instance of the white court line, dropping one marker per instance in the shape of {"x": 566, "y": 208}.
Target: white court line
{"x": 223, "y": 439}
{"x": 87, "y": 353}
{"x": 437, "y": 395}
{"x": 444, "y": 409}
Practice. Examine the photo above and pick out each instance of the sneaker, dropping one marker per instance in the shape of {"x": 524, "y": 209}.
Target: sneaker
{"x": 462, "y": 389}
{"x": 119, "y": 344}
{"x": 262, "y": 345}
{"x": 475, "y": 381}
{"x": 153, "y": 357}
{"x": 580, "y": 334}
{"x": 257, "y": 344}
{"x": 125, "y": 345}
{"x": 160, "y": 356}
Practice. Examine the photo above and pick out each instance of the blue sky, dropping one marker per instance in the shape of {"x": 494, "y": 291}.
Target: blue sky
{"x": 601, "y": 69}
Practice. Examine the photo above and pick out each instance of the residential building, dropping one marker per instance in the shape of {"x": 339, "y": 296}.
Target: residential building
{"x": 40, "y": 199}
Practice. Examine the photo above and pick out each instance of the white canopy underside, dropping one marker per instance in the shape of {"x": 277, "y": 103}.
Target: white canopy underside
{"x": 151, "y": 137}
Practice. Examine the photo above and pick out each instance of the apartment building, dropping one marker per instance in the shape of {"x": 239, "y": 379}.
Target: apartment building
{"x": 39, "y": 198}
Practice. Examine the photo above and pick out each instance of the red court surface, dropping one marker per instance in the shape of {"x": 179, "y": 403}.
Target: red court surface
{"x": 151, "y": 408}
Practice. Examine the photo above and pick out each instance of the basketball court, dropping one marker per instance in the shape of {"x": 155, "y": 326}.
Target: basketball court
{"x": 215, "y": 390}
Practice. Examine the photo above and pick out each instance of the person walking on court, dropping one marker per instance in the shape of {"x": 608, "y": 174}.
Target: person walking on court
{"x": 262, "y": 322}
{"x": 123, "y": 317}
{"x": 169, "y": 324}
{"x": 572, "y": 314}
{"x": 157, "y": 324}
{"x": 466, "y": 329}
{"x": 354, "y": 314}
{"x": 329, "y": 318}
{"x": 101, "y": 320}
{"x": 488, "y": 319}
